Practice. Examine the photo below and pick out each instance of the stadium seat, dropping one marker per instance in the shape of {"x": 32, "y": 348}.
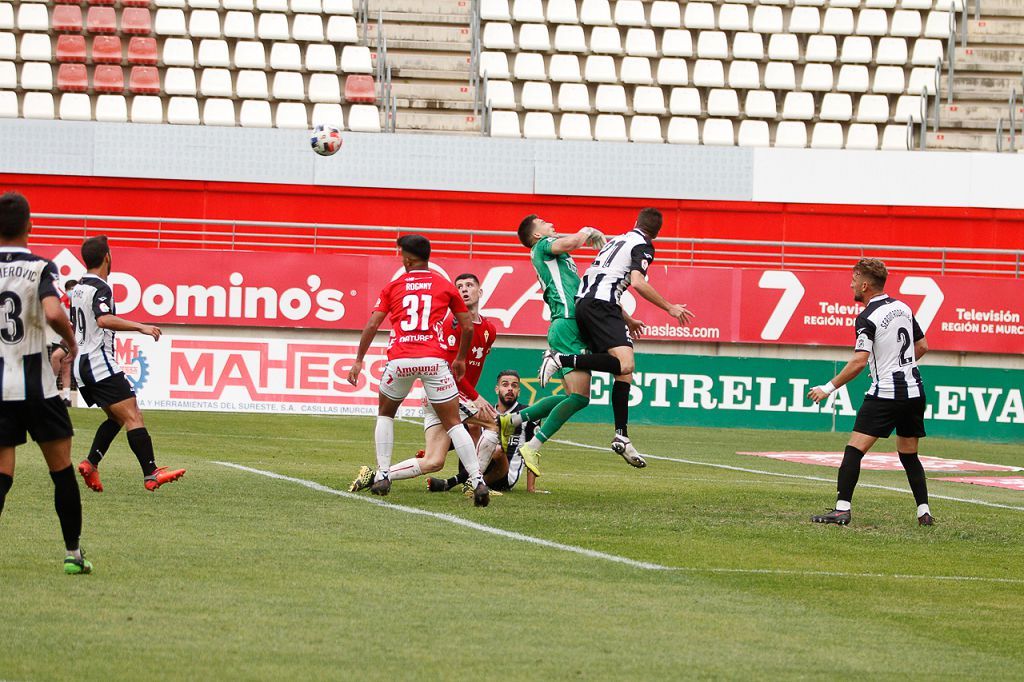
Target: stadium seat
{"x": 72, "y": 78}
{"x": 8, "y": 76}
{"x": 539, "y": 125}
{"x": 783, "y": 47}
{"x": 600, "y": 69}
{"x": 494, "y": 10}
{"x": 636, "y": 71}
{"x": 530, "y": 66}
{"x": 791, "y": 134}
{"x": 718, "y": 132}
{"x": 498, "y": 36}
{"x": 779, "y": 76}
{"x": 204, "y": 4}
{"x": 184, "y": 111}
{"x": 36, "y": 47}
{"x": 328, "y": 113}
{"x": 630, "y": 13}
{"x": 853, "y": 78}
{"x": 524, "y": 11}
{"x": 360, "y": 88}
{"x": 836, "y": 106}
{"x": 67, "y": 18}
{"x": 908, "y": 108}
{"x": 575, "y": 127}
{"x": 75, "y": 107}
{"x": 760, "y": 104}
{"x": 873, "y": 109}
{"x": 892, "y": 51}
{"x": 604, "y": 40}
{"x": 9, "y": 50}
{"x": 356, "y": 59}
{"x": 856, "y": 50}
{"x": 649, "y": 100}
{"x": 708, "y": 73}
{"x": 699, "y": 15}
{"x": 364, "y": 118}
{"x": 666, "y": 14}
{"x": 610, "y": 99}
{"x": 285, "y": 57}
{"x": 906, "y": 24}
{"x": 894, "y": 138}
{"x": 560, "y": 12}
{"x": 564, "y": 68}
{"x": 291, "y": 115}
{"x": 641, "y": 42}
{"x": 712, "y": 45}
{"x": 36, "y": 76}
{"x": 251, "y": 85}
{"x": 335, "y": 6}
{"x": 216, "y": 83}
{"x": 804, "y": 20}
{"x": 250, "y": 55}
{"x": 722, "y": 102}
{"x": 144, "y": 80}
{"x": 838, "y": 21}
{"x": 505, "y": 124}
{"x": 673, "y": 71}
{"x": 817, "y": 78}
{"x": 748, "y": 46}
{"x": 219, "y": 112}
{"x": 683, "y": 131}
{"x": 142, "y": 51}
{"x": 501, "y": 95}
{"x": 767, "y": 19}
{"x": 880, "y": 4}
{"x": 106, "y": 50}
{"x": 7, "y": 21}
{"x": 568, "y": 39}
{"x": 645, "y": 129}
{"x": 921, "y": 79}
{"x": 272, "y": 26}
{"x": 927, "y": 52}
{"x": 236, "y": 25}
{"x": 871, "y": 22}
{"x": 610, "y": 128}
{"x": 110, "y": 78}
{"x": 147, "y": 109}
{"x": 111, "y": 109}
{"x": 305, "y": 6}
{"x": 33, "y": 16}
{"x": 676, "y": 42}
{"x": 178, "y": 52}
{"x": 37, "y": 105}
{"x": 307, "y": 28}
{"x": 321, "y": 58}
{"x": 215, "y": 53}
{"x": 324, "y": 88}
{"x": 821, "y": 48}
{"x": 889, "y": 80}
{"x": 272, "y": 5}
{"x": 69, "y": 48}
{"x": 101, "y": 20}
{"x": 744, "y": 75}
{"x": 255, "y": 114}
{"x": 537, "y": 95}
{"x": 733, "y": 17}
{"x": 573, "y": 97}
{"x": 798, "y": 106}
{"x": 753, "y": 134}
{"x": 827, "y": 136}
{"x": 204, "y": 23}
{"x": 137, "y": 21}
{"x": 685, "y": 102}
{"x": 595, "y": 13}
{"x": 171, "y": 22}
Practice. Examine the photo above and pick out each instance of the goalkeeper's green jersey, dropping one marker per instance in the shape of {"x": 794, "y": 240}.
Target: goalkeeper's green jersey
{"x": 558, "y": 277}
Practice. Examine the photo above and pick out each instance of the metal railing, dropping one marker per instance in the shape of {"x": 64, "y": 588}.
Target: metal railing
{"x": 200, "y": 233}
{"x": 363, "y": 17}
{"x": 383, "y": 77}
{"x": 474, "y": 55}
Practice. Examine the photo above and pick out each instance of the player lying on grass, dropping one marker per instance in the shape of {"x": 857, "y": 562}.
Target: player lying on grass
{"x": 476, "y": 413}
{"x": 506, "y": 466}
{"x": 416, "y": 303}
{"x": 889, "y": 342}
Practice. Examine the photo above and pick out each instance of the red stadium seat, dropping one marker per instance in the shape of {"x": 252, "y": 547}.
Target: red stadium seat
{"x": 107, "y": 78}
{"x": 145, "y": 80}
{"x": 72, "y": 78}
{"x": 67, "y": 2}
{"x": 135, "y": 3}
{"x": 71, "y": 49}
{"x": 136, "y": 20}
{"x": 142, "y": 51}
{"x": 101, "y": 20}
{"x": 67, "y": 18}
{"x": 102, "y": 2}
{"x": 106, "y": 50}
{"x": 360, "y": 88}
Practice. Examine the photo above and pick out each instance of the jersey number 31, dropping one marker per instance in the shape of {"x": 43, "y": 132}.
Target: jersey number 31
{"x": 418, "y": 310}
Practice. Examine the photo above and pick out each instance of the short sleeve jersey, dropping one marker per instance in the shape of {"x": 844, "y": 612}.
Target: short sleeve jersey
{"x": 609, "y": 275}
{"x": 887, "y": 331}
{"x": 415, "y": 303}
{"x": 558, "y": 277}
{"x": 484, "y": 333}
{"x": 91, "y": 300}
{"x": 25, "y": 280}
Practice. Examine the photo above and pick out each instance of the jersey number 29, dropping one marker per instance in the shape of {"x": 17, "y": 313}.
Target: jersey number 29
{"x": 418, "y": 310}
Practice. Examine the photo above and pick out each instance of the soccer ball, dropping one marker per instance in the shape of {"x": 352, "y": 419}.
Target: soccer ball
{"x": 326, "y": 139}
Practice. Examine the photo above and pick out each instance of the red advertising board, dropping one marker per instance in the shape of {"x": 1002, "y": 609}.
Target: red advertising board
{"x": 295, "y": 290}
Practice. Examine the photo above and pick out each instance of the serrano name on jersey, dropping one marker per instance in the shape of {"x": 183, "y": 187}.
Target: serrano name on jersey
{"x": 415, "y": 316}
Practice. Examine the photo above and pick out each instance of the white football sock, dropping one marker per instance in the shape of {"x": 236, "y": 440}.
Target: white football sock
{"x": 384, "y": 439}
{"x": 466, "y": 451}
{"x": 842, "y": 505}
{"x": 410, "y": 468}
{"x": 485, "y": 448}
{"x": 923, "y": 509}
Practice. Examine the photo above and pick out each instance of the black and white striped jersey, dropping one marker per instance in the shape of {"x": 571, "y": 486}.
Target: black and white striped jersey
{"x": 523, "y": 434}
{"x": 608, "y": 276}
{"x": 91, "y": 300}
{"x": 886, "y": 330}
{"x": 25, "y": 280}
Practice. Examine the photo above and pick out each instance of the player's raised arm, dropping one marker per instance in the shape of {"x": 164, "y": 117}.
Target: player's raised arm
{"x": 365, "y": 339}
{"x": 119, "y": 324}
{"x": 586, "y": 236}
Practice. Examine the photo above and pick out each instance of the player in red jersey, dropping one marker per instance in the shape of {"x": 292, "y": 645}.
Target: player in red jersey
{"x": 416, "y": 303}
{"x": 475, "y": 411}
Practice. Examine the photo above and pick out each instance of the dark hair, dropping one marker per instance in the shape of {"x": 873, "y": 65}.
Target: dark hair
{"x": 14, "y": 215}
{"x": 873, "y": 270}
{"x": 649, "y": 221}
{"x": 507, "y": 373}
{"x": 94, "y": 250}
{"x": 467, "y": 275}
{"x": 70, "y": 284}
{"x": 415, "y": 245}
{"x": 525, "y": 230}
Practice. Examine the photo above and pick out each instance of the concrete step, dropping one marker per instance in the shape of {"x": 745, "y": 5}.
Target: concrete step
{"x": 435, "y": 105}
{"x": 976, "y": 116}
{"x": 999, "y": 59}
{"x": 457, "y": 8}
{"x": 435, "y": 66}
{"x": 969, "y": 141}
{"x": 448, "y": 37}
{"x": 440, "y": 91}
{"x": 986, "y": 87}
{"x": 998, "y": 8}
{"x": 995, "y": 31}
{"x": 454, "y": 122}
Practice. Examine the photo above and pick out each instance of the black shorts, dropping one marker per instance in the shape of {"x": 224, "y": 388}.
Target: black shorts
{"x": 601, "y": 325}
{"x": 44, "y": 420}
{"x": 879, "y": 416}
{"x": 107, "y": 392}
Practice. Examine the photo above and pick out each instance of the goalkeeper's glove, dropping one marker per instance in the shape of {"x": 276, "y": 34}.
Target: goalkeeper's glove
{"x": 595, "y": 237}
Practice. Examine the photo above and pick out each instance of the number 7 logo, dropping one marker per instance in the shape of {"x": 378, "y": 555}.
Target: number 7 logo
{"x": 793, "y": 293}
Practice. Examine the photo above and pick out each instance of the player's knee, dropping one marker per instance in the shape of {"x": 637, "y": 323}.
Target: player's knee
{"x": 580, "y": 400}
{"x": 431, "y": 464}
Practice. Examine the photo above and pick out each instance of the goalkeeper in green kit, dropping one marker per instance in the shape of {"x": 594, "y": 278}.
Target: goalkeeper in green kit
{"x": 550, "y": 254}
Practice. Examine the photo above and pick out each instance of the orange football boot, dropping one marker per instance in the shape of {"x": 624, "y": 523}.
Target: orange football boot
{"x": 161, "y": 476}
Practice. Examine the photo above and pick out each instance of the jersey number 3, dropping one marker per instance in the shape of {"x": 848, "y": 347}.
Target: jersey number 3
{"x": 12, "y": 328}
{"x": 418, "y": 310}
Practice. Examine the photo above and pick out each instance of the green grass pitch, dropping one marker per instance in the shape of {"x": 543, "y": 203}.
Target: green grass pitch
{"x": 228, "y": 574}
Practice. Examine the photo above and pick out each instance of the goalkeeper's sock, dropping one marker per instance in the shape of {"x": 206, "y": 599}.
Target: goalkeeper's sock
{"x": 559, "y": 416}
{"x": 593, "y": 362}
{"x": 538, "y": 410}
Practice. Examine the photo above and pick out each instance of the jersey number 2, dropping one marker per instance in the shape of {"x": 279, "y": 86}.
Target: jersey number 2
{"x": 12, "y": 328}
{"x": 418, "y": 310}
{"x": 904, "y": 337}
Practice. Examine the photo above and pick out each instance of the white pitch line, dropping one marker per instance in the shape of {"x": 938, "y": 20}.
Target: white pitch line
{"x": 730, "y": 467}
{"x": 594, "y": 554}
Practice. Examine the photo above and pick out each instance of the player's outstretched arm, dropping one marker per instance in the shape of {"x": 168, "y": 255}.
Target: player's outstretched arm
{"x": 119, "y": 324}
{"x": 365, "y": 339}
{"x": 644, "y": 288}
{"x": 58, "y": 321}
{"x": 854, "y": 367}
{"x": 571, "y": 242}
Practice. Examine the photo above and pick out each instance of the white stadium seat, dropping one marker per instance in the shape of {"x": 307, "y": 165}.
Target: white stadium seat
{"x": 873, "y": 109}
{"x": 927, "y": 52}
{"x": 636, "y": 71}
{"x": 722, "y": 102}
{"x": 178, "y": 52}
{"x": 676, "y": 42}
{"x": 219, "y": 112}
{"x": 856, "y": 50}
{"x": 539, "y": 125}
{"x": 699, "y": 15}
{"x": 937, "y": 25}
{"x": 718, "y": 132}
{"x": 285, "y": 56}
{"x": 748, "y": 46}
{"x": 333, "y": 6}
{"x": 328, "y": 113}
{"x": 75, "y": 106}
{"x": 575, "y": 127}
{"x": 610, "y": 99}
{"x": 817, "y": 78}
{"x": 827, "y": 136}
{"x": 36, "y": 76}
{"x": 712, "y": 45}
{"x": 255, "y": 114}
{"x": 744, "y": 75}
{"x": 501, "y": 95}
{"x": 272, "y": 26}
{"x": 733, "y": 18}
{"x": 569, "y": 38}
{"x": 779, "y": 76}
{"x": 630, "y": 13}
{"x": 640, "y": 42}
{"x": 767, "y": 19}
{"x": 530, "y": 66}
{"x": 37, "y": 47}
{"x": 862, "y": 136}
{"x": 537, "y": 95}
{"x": 892, "y": 51}
{"x": 798, "y": 106}
{"x": 649, "y": 100}
{"x": 760, "y": 104}
{"x": 753, "y": 134}
{"x": 289, "y": 85}
{"x": 600, "y": 69}
{"x": 250, "y": 55}
{"x": 494, "y": 10}
{"x": 147, "y": 109}
{"x": 906, "y": 23}
{"x": 821, "y": 48}
{"x": 216, "y": 83}
{"x": 505, "y": 124}
{"x": 708, "y": 73}
{"x": 872, "y": 22}
{"x": 239, "y": 25}
{"x": 8, "y": 48}
{"x": 534, "y": 38}
{"x": 783, "y": 47}
{"x": 804, "y": 20}
{"x": 213, "y": 53}
{"x": 610, "y": 128}
{"x": 321, "y": 58}
{"x": 596, "y": 13}
{"x": 894, "y": 138}
{"x": 307, "y": 28}
{"x": 111, "y": 109}
{"x": 853, "y": 78}
{"x": 890, "y": 80}
{"x": 364, "y": 118}
{"x": 180, "y": 81}
{"x": 574, "y": 97}
{"x": 838, "y": 21}
{"x": 204, "y": 23}
{"x": 170, "y": 22}
{"x": 562, "y": 12}
{"x": 791, "y": 134}
{"x": 673, "y": 71}
{"x": 666, "y": 14}
{"x": 921, "y": 79}
{"x": 252, "y": 85}
{"x": 342, "y": 29}
{"x": 683, "y": 131}
{"x": 605, "y": 40}
{"x": 564, "y": 68}
{"x": 836, "y": 106}
{"x": 33, "y": 16}
{"x": 908, "y": 108}
{"x": 645, "y": 129}
{"x": 356, "y": 59}
{"x": 37, "y": 105}
{"x": 494, "y": 65}
{"x": 524, "y": 11}
{"x": 324, "y": 88}
{"x": 184, "y": 111}
{"x": 685, "y": 102}
{"x": 498, "y": 36}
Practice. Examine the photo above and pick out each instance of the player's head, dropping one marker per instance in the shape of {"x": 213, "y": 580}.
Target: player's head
{"x": 415, "y": 250}
{"x": 70, "y": 284}
{"x": 15, "y": 217}
{"x": 96, "y": 253}
{"x": 649, "y": 222}
{"x": 468, "y": 285}
{"x": 507, "y": 387}
{"x": 533, "y": 228}
{"x": 869, "y": 275}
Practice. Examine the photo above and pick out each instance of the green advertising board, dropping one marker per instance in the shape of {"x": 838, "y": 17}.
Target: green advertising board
{"x": 692, "y": 390}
